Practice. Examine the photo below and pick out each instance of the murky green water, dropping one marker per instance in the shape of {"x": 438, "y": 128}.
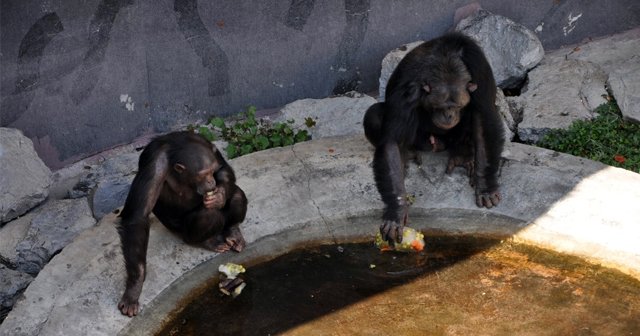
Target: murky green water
{"x": 457, "y": 286}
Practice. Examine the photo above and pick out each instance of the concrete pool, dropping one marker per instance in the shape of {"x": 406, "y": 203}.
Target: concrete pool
{"x": 322, "y": 191}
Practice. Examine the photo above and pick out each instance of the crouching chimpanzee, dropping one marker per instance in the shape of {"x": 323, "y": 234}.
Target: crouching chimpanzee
{"x": 184, "y": 180}
{"x": 441, "y": 96}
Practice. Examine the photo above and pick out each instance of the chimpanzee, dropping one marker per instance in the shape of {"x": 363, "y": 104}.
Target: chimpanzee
{"x": 441, "y": 96}
{"x": 184, "y": 180}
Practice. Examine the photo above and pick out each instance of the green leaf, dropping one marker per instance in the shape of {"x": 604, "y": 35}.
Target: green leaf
{"x": 309, "y": 122}
{"x": 232, "y": 151}
{"x": 218, "y": 122}
{"x": 263, "y": 142}
{"x": 206, "y": 132}
{"x": 246, "y": 149}
{"x": 302, "y": 136}
{"x": 287, "y": 141}
{"x": 276, "y": 140}
{"x": 238, "y": 128}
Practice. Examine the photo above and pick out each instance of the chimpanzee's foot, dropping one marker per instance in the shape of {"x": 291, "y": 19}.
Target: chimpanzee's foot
{"x": 217, "y": 243}
{"x": 234, "y": 239}
{"x": 461, "y": 161}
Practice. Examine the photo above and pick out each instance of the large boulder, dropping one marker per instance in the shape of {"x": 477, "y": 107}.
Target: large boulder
{"x": 509, "y": 124}
{"x": 110, "y": 194}
{"x": 624, "y": 83}
{"x": 54, "y": 226}
{"x": 390, "y": 62}
{"x": 24, "y": 178}
{"x": 341, "y": 115}
{"x": 113, "y": 181}
{"x": 107, "y": 185}
{"x": 511, "y": 48}
{"x": 619, "y": 57}
{"x": 559, "y": 92}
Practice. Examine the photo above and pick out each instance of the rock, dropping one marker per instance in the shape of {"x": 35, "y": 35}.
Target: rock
{"x": 559, "y": 92}
{"x": 114, "y": 167}
{"x": 465, "y": 11}
{"x": 24, "y": 178}
{"x": 65, "y": 179}
{"x": 334, "y": 116}
{"x": 502, "y": 106}
{"x": 12, "y": 234}
{"x": 54, "y": 226}
{"x": 107, "y": 185}
{"x": 617, "y": 56}
{"x": 511, "y": 48}
{"x": 624, "y": 83}
{"x": 222, "y": 145}
{"x": 110, "y": 194}
{"x": 390, "y": 62}
{"x": 515, "y": 107}
{"x": 84, "y": 186}
{"x": 11, "y": 284}
{"x": 608, "y": 52}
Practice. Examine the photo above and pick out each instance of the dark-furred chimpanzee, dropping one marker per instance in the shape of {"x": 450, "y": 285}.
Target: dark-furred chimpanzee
{"x": 184, "y": 180}
{"x": 441, "y": 96}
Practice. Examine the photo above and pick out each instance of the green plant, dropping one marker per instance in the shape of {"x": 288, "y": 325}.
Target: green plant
{"x": 250, "y": 134}
{"x": 607, "y": 138}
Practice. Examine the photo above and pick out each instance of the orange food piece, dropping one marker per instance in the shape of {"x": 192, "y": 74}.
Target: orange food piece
{"x": 417, "y": 245}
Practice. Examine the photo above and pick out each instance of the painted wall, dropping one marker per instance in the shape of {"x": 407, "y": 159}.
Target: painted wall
{"x": 79, "y": 77}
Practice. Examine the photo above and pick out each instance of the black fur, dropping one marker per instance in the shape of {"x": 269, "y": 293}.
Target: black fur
{"x": 175, "y": 173}
{"x": 429, "y": 85}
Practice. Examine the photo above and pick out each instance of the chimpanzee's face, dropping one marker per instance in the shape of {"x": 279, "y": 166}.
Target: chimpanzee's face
{"x": 200, "y": 175}
{"x": 446, "y": 102}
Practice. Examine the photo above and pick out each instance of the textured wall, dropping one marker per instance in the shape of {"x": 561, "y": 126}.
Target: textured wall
{"x": 80, "y": 76}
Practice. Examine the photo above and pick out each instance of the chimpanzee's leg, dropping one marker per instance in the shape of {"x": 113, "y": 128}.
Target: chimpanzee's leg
{"x": 218, "y": 229}
{"x": 234, "y": 213}
{"x": 205, "y": 226}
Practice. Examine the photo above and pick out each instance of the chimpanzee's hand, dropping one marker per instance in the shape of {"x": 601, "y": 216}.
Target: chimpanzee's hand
{"x": 437, "y": 145}
{"x": 391, "y": 230}
{"x": 215, "y": 199}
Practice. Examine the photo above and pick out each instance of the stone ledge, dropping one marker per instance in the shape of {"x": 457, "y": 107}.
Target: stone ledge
{"x": 323, "y": 190}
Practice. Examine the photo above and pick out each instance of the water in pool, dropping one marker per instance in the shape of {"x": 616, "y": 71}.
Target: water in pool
{"x": 459, "y": 285}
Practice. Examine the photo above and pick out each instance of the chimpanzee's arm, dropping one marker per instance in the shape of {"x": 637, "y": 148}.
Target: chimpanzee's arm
{"x": 487, "y": 160}
{"x": 487, "y": 126}
{"x": 224, "y": 176}
{"x": 134, "y": 227}
{"x": 388, "y": 170}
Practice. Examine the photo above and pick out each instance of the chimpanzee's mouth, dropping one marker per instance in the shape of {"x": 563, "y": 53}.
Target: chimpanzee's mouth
{"x": 444, "y": 126}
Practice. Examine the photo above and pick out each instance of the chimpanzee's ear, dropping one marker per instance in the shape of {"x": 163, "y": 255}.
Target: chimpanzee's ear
{"x": 179, "y": 167}
{"x": 414, "y": 91}
{"x": 471, "y": 86}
